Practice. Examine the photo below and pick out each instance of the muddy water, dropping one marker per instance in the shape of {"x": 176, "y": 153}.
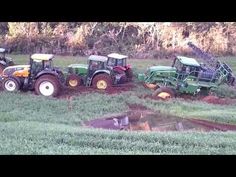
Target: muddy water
{"x": 147, "y": 121}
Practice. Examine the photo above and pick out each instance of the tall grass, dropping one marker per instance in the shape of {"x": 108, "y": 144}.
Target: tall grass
{"x": 25, "y": 137}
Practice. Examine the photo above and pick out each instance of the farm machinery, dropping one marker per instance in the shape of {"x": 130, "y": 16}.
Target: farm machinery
{"x": 4, "y": 60}
{"x": 101, "y": 72}
{"x": 38, "y": 75}
{"x": 119, "y": 64}
{"x": 187, "y": 76}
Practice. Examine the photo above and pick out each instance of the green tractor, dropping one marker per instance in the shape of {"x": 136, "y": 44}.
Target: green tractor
{"x": 186, "y": 76}
{"x": 4, "y": 61}
{"x": 97, "y": 73}
{"x": 39, "y": 75}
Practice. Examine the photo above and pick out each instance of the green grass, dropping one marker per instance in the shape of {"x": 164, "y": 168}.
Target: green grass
{"x": 25, "y": 137}
{"x": 39, "y": 125}
{"x": 31, "y": 124}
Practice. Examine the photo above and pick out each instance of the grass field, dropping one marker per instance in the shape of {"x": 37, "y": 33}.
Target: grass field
{"x": 31, "y": 124}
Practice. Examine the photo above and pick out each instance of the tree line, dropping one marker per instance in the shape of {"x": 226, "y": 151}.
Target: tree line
{"x": 135, "y": 39}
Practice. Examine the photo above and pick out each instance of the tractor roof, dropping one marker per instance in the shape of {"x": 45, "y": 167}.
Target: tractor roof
{"x": 2, "y": 50}
{"x": 97, "y": 58}
{"x": 117, "y": 56}
{"x": 188, "y": 61}
{"x": 38, "y": 56}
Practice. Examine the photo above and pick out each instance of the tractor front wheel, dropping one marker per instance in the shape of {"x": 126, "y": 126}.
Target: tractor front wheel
{"x": 102, "y": 82}
{"x": 164, "y": 93}
{"x": 47, "y": 85}
{"x": 73, "y": 81}
{"x": 11, "y": 85}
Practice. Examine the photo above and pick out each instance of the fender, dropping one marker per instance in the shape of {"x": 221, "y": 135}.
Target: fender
{"x": 120, "y": 67}
{"x": 46, "y": 72}
{"x": 128, "y": 66}
{"x": 101, "y": 71}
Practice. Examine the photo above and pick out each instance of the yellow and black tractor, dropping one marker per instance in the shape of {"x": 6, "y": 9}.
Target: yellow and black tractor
{"x": 39, "y": 75}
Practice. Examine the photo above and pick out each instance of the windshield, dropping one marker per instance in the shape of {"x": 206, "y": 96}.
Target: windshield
{"x": 116, "y": 62}
{"x": 120, "y": 62}
{"x": 48, "y": 64}
{"x": 178, "y": 65}
{"x": 111, "y": 62}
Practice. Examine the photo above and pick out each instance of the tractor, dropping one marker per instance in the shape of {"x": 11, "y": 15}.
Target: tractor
{"x": 119, "y": 64}
{"x": 187, "y": 76}
{"x": 95, "y": 74}
{"x": 39, "y": 75}
{"x": 4, "y": 61}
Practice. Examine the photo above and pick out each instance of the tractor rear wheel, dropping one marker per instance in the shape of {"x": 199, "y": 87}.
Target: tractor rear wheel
{"x": 73, "y": 81}
{"x": 47, "y": 85}
{"x": 164, "y": 93}
{"x": 102, "y": 82}
{"x": 124, "y": 78}
{"x": 2, "y": 67}
{"x": 129, "y": 73}
{"x": 11, "y": 84}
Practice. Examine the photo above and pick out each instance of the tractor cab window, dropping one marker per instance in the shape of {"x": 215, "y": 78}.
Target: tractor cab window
{"x": 36, "y": 67}
{"x": 111, "y": 62}
{"x": 179, "y": 66}
{"x": 121, "y": 62}
{"x": 95, "y": 65}
{"x": 48, "y": 64}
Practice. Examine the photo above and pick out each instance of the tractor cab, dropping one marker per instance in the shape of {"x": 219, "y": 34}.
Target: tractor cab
{"x": 4, "y": 61}
{"x": 189, "y": 68}
{"x": 40, "y": 62}
{"x": 186, "y": 66}
{"x": 118, "y": 63}
{"x": 95, "y": 63}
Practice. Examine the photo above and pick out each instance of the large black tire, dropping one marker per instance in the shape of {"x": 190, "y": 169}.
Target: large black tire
{"x": 73, "y": 81}
{"x": 47, "y": 85}
{"x": 11, "y": 84}
{"x": 11, "y": 63}
{"x": 124, "y": 78}
{"x": 2, "y": 67}
{"x": 129, "y": 73}
{"x": 164, "y": 93}
{"x": 102, "y": 81}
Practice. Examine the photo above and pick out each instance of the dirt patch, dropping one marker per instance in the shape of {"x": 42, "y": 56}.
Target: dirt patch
{"x": 217, "y": 100}
{"x": 208, "y": 99}
{"x": 67, "y": 92}
{"x": 151, "y": 97}
{"x": 139, "y": 118}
